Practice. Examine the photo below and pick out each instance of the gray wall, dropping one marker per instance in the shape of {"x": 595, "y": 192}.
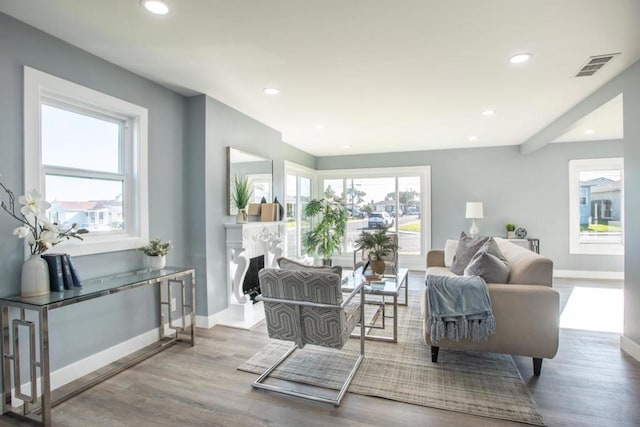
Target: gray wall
{"x": 630, "y": 82}
{"x": 225, "y": 127}
{"x": 531, "y": 191}
{"x": 84, "y": 329}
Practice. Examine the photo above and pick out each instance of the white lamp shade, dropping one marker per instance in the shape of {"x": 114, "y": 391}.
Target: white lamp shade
{"x": 474, "y": 210}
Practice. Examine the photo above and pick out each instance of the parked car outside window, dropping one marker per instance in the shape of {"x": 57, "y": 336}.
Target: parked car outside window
{"x": 380, "y": 219}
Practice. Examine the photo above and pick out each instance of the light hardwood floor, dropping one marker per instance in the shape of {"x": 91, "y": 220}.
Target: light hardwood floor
{"x": 589, "y": 383}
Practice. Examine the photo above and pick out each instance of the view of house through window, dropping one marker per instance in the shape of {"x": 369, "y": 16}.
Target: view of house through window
{"x": 596, "y": 191}
{"x": 600, "y": 206}
{"x": 84, "y": 179}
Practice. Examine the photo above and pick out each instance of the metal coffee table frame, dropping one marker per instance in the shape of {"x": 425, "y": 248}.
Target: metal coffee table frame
{"x": 400, "y": 281}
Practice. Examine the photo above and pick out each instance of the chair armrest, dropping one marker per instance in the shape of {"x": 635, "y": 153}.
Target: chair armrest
{"x": 435, "y": 258}
{"x": 356, "y": 290}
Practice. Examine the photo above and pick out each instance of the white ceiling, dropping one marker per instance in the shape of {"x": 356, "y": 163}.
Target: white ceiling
{"x": 380, "y": 75}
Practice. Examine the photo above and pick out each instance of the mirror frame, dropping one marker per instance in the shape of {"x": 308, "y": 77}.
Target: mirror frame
{"x": 231, "y": 210}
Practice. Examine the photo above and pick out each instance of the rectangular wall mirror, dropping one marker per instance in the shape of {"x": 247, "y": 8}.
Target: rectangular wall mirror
{"x": 258, "y": 169}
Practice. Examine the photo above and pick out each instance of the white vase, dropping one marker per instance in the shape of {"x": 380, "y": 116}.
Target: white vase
{"x": 157, "y": 262}
{"x": 242, "y": 217}
{"x": 35, "y": 277}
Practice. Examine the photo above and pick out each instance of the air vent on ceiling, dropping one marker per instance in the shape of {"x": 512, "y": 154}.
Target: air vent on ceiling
{"x": 595, "y": 63}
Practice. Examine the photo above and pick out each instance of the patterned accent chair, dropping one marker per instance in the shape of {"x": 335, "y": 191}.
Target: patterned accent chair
{"x": 308, "y": 307}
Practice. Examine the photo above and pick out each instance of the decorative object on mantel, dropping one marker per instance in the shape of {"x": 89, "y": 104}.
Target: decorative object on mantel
{"x": 511, "y": 231}
{"x": 521, "y": 233}
{"x": 157, "y": 251}
{"x": 241, "y": 195}
{"x": 40, "y": 234}
{"x": 263, "y": 200}
{"x": 254, "y": 209}
{"x": 280, "y": 209}
{"x": 325, "y": 237}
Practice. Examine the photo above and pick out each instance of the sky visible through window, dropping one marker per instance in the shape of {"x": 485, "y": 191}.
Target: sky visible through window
{"x": 78, "y": 141}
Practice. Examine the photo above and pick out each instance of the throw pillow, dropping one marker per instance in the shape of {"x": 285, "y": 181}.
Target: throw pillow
{"x": 488, "y": 266}
{"x": 467, "y": 248}
{"x": 489, "y": 263}
{"x": 450, "y": 247}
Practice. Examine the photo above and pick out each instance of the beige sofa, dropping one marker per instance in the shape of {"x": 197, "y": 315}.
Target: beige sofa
{"x": 526, "y": 308}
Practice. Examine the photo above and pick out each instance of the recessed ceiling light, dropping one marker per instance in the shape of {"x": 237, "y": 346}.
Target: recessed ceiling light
{"x": 520, "y": 58}
{"x": 159, "y": 7}
{"x": 271, "y": 90}
{"x": 589, "y": 132}
{"x": 488, "y": 112}
{"x": 473, "y": 138}
{"x": 320, "y": 126}
{"x": 346, "y": 147}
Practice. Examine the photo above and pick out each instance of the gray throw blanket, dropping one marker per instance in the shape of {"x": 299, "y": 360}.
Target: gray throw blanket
{"x": 459, "y": 308}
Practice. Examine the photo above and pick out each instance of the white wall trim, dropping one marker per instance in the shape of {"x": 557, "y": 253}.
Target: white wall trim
{"x": 584, "y": 274}
{"x": 630, "y": 347}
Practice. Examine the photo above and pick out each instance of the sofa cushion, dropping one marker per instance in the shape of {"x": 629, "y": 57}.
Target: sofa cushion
{"x": 450, "y": 247}
{"x": 467, "y": 248}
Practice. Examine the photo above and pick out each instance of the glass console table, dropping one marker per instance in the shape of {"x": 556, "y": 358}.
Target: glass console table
{"x": 39, "y": 407}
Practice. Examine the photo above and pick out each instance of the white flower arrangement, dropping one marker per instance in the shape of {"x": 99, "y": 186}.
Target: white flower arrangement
{"x": 41, "y": 235}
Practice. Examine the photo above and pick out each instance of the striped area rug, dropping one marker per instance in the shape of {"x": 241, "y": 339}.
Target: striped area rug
{"x": 483, "y": 384}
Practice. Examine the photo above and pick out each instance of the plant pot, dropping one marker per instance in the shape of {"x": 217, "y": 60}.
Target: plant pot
{"x": 378, "y": 266}
{"x": 35, "y": 277}
{"x": 326, "y": 262}
{"x": 242, "y": 217}
{"x": 157, "y": 262}
{"x": 511, "y": 234}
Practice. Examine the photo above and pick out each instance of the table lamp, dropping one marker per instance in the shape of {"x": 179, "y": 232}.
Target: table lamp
{"x": 474, "y": 211}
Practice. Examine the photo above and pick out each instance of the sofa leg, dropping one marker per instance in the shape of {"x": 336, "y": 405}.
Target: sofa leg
{"x": 537, "y": 366}
{"x": 434, "y": 353}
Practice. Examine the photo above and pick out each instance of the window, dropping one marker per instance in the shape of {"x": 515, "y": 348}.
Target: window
{"x": 395, "y": 197}
{"x": 88, "y": 160}
{"x": 596, "y": 190}
{"x": 299, "y": 182}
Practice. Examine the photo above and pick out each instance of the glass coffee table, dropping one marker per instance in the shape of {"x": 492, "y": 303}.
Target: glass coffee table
{"x": 388, "y": 286}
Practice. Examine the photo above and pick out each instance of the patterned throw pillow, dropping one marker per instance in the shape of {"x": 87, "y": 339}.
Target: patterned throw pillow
{"x": 467, "y": 248}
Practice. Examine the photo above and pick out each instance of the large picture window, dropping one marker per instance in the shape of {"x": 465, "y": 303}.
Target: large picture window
{"x": 596, "y": 189}
{"x": 86, "y": 153}
{"x": 395, "y": 197}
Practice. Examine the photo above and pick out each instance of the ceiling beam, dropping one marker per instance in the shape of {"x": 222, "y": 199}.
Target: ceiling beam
{"x": 563, "y": 124}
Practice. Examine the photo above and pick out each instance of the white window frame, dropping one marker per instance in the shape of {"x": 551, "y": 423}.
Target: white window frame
{"x": 592, "y": 248}
{"x": 298, "y": 171}
{"x": 41, "y": 87}
{"x": 411, "y": 261}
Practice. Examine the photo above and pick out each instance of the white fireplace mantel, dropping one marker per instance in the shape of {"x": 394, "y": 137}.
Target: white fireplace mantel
{"x": 246, "y": 241}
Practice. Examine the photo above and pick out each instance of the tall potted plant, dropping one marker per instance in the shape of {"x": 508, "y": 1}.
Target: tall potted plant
{"x": 325, "y": 237}
{"x": 241, "y": 195}
{"x": 378, "y": 245}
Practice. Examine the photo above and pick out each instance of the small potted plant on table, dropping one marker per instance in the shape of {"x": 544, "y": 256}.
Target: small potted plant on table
{"x": 157, "y": 251}
{"x": 511, "y": 231}
{"x": 378, "y": 245}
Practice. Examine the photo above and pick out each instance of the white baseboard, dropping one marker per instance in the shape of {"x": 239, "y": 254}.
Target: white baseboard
{"x": 630, "y": 347}
{"x": 80, "y": 368}
{"x": 89, "y": 364}
{"x": 583, "y": 274}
